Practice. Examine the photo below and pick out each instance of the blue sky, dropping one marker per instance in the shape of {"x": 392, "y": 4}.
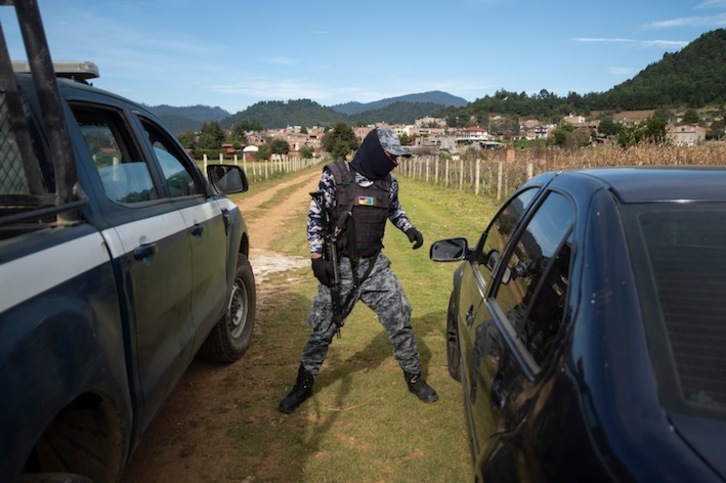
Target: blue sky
{"x": 234, "y": 53}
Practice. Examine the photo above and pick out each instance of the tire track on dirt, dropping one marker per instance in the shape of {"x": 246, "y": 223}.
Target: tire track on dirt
{"x": 277, "y": 204}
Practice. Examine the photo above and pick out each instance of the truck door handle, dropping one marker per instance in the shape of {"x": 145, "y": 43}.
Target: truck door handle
{"x": 145, "y": 252}
{"x": 197, "y": 230}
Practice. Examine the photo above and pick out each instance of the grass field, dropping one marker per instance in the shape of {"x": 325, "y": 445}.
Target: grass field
{"x": 362, "y": 424}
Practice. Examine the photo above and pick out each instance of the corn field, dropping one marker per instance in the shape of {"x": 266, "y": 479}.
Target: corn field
{"x": 498, "y": 173}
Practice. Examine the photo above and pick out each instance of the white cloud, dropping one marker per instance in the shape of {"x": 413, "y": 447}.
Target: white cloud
{"x": 642, "y": 43}
{"x": 712, "y": 4}
{"x": 695, "y": 21}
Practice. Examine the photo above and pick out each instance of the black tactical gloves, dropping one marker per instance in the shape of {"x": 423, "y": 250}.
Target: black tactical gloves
{"x": 323, "y": 271}
{"x": 415, "y": 236}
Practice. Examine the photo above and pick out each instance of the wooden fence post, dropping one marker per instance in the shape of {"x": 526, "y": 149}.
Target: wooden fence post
{"x": 499, "y": 182}
{"x": 446, "y": 180}
{"x": 478, "y": 174}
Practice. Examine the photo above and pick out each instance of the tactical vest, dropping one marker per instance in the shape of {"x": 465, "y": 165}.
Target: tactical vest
{"x": 369, "y": 209}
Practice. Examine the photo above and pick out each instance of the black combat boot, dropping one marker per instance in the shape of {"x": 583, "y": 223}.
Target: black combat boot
{"x": 418, "y": 386}
{"x": 303, "y": 389}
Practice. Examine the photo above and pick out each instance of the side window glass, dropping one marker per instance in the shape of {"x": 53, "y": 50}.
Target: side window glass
{"x": 534, "y": 286}
{"x": 492, "y": 244}
{"x": 174, "y": 164}
{"x": 125, "y": 177}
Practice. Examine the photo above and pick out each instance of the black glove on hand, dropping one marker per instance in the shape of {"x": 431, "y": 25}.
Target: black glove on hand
{"x": 415, "y": 236}
{"x": 323, "y": 271}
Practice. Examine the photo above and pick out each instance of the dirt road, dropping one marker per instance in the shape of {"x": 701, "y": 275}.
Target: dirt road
{"x": 190, "y": 441}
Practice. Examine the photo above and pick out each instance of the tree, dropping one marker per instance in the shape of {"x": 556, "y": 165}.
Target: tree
{"x": 263, "y": 152}
{"x": 655, "y": 129}
{"x": 559, "y": 134}
{"x": 279, "y": 146}
{"x": 691, "y": 117}
{"x": 242, "y": 127}
{"x": 716, "y": 131}
{"x": 186, "y": 139}
{"x": 578, "y": 138}
{"x": 211, "y": 136}
{"x": 608, "y": 127}
{"x": 340, "y": 140}
{"x": 307, "y": 152}
{"x": 652, "y": 130}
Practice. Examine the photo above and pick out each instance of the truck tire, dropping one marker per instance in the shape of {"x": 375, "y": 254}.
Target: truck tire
{"x": 231, "y": 336}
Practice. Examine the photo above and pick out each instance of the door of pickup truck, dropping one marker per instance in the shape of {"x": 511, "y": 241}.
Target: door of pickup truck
{"x": 148, "y": 240}
{"x": 207, "y": 220}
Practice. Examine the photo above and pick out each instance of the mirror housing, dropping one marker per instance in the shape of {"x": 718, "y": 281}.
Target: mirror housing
{"x": 227, "y": 178}
{"x": 449, "y": 250}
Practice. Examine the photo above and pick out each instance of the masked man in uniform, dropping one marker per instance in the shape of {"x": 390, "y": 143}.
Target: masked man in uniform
{"x": 359, "y": 197}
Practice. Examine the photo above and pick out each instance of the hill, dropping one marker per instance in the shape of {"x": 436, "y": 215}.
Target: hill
{"x": 691, "y": 78}
{"x": 279, "y": 114}
{"x": 304, "y": 112}
{"x": 190, "y": 118}
{"x": 694, "y": 76}
{"x": 431, "y": 97}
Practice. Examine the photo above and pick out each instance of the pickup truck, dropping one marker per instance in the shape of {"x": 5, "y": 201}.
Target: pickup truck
{"x": 119, "y": 263}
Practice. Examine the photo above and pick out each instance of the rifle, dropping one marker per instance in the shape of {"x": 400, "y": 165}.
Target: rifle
{"x": 331, "y": 232}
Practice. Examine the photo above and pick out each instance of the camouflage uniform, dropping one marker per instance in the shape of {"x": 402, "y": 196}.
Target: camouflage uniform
{"x": 381, "y": 291}
{"x": 372, "y": 198}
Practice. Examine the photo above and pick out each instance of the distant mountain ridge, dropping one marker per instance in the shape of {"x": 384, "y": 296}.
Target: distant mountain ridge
{"x": 430, "y": 97}
{"x": 189, "y": 118}
{"x": 304, "y": 112}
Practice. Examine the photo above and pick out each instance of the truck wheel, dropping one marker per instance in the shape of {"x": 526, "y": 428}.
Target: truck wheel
{"x": 231, "y": 336}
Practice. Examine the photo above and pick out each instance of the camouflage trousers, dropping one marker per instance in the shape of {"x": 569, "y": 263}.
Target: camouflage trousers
{"x": 382, "y": 292}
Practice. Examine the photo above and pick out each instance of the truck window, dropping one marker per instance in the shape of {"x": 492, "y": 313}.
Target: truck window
{"x": 174, "y": 164}
{"x": 125, "y": 177}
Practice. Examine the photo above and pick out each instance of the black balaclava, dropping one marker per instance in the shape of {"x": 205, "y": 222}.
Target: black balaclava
{"x": 370, "y": 160}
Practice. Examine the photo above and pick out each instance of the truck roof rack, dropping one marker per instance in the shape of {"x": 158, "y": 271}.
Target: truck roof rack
{"x": 79, "y": 70}
{"x": 31, "y": 191}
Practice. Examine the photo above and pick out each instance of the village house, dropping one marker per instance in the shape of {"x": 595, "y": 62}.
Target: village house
{"x": 685, "y": 135}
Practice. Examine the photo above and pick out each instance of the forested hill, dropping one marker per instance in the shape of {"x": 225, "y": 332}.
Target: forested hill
{"x": 189, "y": 118}
{"x": 304, "y": 112}
{"x": 693, "y": 77}
{"x": 430, "y": 97}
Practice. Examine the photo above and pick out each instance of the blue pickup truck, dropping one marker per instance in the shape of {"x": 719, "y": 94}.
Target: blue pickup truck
{"x": 119, "y": 263}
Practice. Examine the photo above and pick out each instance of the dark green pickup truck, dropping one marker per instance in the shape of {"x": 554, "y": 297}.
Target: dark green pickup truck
{"x": 119, "y": 263}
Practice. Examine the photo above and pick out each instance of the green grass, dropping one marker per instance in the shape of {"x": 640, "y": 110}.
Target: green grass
{"x": 361, "y": 424}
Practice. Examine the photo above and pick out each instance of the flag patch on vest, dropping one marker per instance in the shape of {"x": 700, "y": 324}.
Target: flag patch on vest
{"x": 365, "y": 200}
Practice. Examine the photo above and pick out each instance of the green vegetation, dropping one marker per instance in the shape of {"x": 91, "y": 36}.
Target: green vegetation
{"x": 340, "y": 140}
